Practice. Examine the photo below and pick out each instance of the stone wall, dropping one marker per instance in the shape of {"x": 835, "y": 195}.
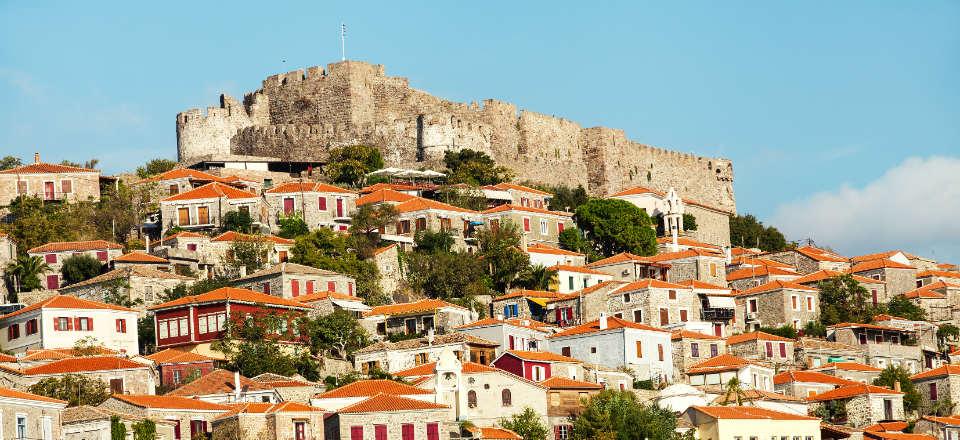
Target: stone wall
{"x": 301, "y": 115}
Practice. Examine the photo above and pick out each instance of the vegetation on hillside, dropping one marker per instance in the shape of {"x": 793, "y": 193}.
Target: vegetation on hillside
{"x": 747, "y": 231}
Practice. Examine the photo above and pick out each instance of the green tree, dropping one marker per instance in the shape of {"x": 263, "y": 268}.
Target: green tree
{"x": 338, "y": 333}
{"x": 896, "y": 374}
{"x": 118, "y": 431}
{"x": 79, "y": 268}
{"x": 73, "y": 388}
{"x": 463, "y": 195}
{"x": 145, "y": 429}
{"x": 200, "y": 286}
{"x": 146, "y": 334}
{"x": 430, "y": 242}
{"x": 689, "y": 222}
{"x": 89, "y": 164}
{"x": 785, "y": 331}
{"x": 843, "y": 299}
{"x": 251, "y": 346}
{"x": 239, "y": 221}
{"x": 747, "y": 231}
{"x": 901, "y": 306}
{"x": 947, "y": 333}
{"x": 122, "y": 210}
{"x": 446, "y": 275}
{"x": 499, "y": 250}
{"x": 815, "y": 329}
{"x": 326, "y": 249}
{"x": 349, "y": 165}
{"x": 536, "y": 277}
{"x": 619, "y": 415}
{"x": 474, "y": 168}
{"x": 734, "y": 392}
{"x": 565, "y": 198}
{"x": 572, "y": 239}
{"x": 249, "y": 253}
{"x": 617, "y": 226}
{"x": 365, "y": 224}
{"x": 526, "y": 424}
{"x": 154, "y": 167}
{"x": 117, "y": 292}
{"x": 8, "y": 162}
{"x": 23, "y": 273}
{"x": 293, "y": 226}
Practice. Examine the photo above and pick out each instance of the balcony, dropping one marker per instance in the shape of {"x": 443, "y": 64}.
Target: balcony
{"x": 716, "y": 314}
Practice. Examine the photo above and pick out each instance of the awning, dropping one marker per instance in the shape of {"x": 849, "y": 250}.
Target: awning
{"x": 541, "y": 301}
{"x": 494, "y": 194}
{"x": 351, "y": 305}
{"x": 721, "y": 302}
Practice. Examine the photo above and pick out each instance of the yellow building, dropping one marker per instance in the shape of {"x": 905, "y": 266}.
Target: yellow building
{"x": 750, "y": 423}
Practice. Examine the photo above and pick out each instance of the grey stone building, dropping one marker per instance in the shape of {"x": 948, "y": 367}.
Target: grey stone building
{"x": 776, "y": 304}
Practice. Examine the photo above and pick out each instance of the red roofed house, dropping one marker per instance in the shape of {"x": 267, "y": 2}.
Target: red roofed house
{"x": 55, "y": 253}
{"x": 615, "y": 342}
{"x": 415, "y": 317}
{"x": 291, "y": 280}
{"x": 186, "y": 251}
{"x": 386, "y": 416}
{"x": 573, "y": 278}
{"x": 743, "y": 422}
{"x": 356, "y": 392}
{"x": 694, "y": 264}
{"x": 192, "y": 323}
{"x": 513, "y": 194}
{"x": 928, "y": 277}
{"x": 629, "y": 267}
{"x": 939, "y": 387}
{"x": 176, "y": 181}
{"x": 135, "y": 282}
{"x": 204, "y": 207}
{"x": 852, "y": 371}
{"x": 566, "y": 399}
{"x": 29, "y": 416}
{"x": 141, "y": 258}
{"x": 754, "y": 276}
{"x": 49, "y": 182}
{"x": 546, "y": 256}
{"x": 408, "y": 353}
{"x": 859, "y": 405}
{"x": 654, "y": 302}
{"x": 807, "y": 383}
{"x": 877, "y": 288}
{"x": 937, "y": 299}
{"x": 714, "y": 305}
{"x": 122, "y": 375}
{"x": 512, "y": 334}
{"x": 175, "y": 365}
{"x": 318, "y": 204}
{"x": 809, "y": 259}
{"x": 272, "y": 421}
{"x": 899, "y": 278}
{"x": 536, "y": 225}
{"x": 60, "y": 321}
{"x": 941, "y": 428}
{"x": 689, "y": 348}
{"x": 222, "y": 386}
{"x": 419, "y": 214}
{"x": 220, "y": 248}
{"x": 883, "y": 345}
{"x": 192, "y": 417}
{"x": 525, "y": 304}
{"x": 539, "y": 365}
{"x": 713, "y": 223}
{"x": 776, "y": 304}
{"x": 719, "y": 370}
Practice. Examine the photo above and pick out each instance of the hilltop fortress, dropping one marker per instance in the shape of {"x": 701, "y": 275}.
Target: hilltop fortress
{"x": 299, "y": 116}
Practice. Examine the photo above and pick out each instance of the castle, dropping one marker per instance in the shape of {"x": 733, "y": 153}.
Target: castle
{"x": 299, "y": 116}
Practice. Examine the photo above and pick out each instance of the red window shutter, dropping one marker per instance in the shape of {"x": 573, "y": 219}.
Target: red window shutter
{"x": 295, "y": 287}
{"x": 176, "y": 430}
{"x": 660, "y": 351}
{"x": 71, "y": 322}
{"x": 433, "y": 431}
{"x": 50, "y": 258}
{"x": 350, "y": 289}
{"x": 526, "y": 225}
{"x": 769, "y": 349}
{"x": 510, "y": 338}
{"x": 559, "y": 227}
{"x": 118, "y": 325}
{"x": 331, "y": 286}
{"x": 102, "y": 255}
{"x": 89, "y": 323}
{"x": 380, "y": 432}
{"x": 56, "y": 324}
{"x": 356, "y": 433}
{"x": 53, "y": 282}
{"x": 309, "y": 287}
{"x": 323, "y": 203}
{"x": 783, "y": 349}
{"x": 569, "y": 313}
{"x": 266, "y": 288}
{"x": 406, "y": 431}
{"x": 933, "y": 391}
{"x": 683, "y": 316}
{"x": 558, "y": 314}
{"x": 556, "y": 433}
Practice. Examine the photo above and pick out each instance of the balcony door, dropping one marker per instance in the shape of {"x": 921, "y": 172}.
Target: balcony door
{"x": 48, "y": 191}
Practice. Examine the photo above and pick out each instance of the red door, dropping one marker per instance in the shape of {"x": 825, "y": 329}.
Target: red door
{"x": 433, "y": 431}
{"x": 339, "y": 207}
{"x": 356, "y": 433}
{"x": 380, "y": 432}
{"x": 288, "y": 206}
{"x": 48, "y": 192}
{"x": 53, "y": 282}
{"x": 300, "y": 431}
{"x": 664, "y": 317}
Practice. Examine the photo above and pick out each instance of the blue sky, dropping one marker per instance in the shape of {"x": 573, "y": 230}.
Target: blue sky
{"x": 805, "y": 97}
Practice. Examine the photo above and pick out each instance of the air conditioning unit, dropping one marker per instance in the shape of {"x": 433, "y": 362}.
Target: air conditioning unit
{"x": 753, "y": 315}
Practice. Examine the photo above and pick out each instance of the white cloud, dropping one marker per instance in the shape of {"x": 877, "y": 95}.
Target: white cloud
{"x": 914, "y": 206}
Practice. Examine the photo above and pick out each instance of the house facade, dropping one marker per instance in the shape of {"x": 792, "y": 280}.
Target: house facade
{"x": 176, "y": 366}
{"x": 50, "y": 182}
{"x": 539, "y": 365}
{"x": 882, "y": 345}
{"x": 319, "y": 205}
{"x": 61, "y": 321}
{"x": 690, "y": 348}
{"x": 764, "y": 347}
{"x": 190, "y": 417}
{"x": 291, "y": 280}
{"x": 776, "y": 304}
{"x": 653, "y": 302}
{"x": 120, "y": 374}
{"x": 536, "y": 225}
{"x": 629, "y": 267}
{"x": 898, "y": 278}
{"x": 546, "y": 256}
{"x": 54, "y": 254}
{"x": 574, "y": 278}
{"x": 29, "y": 416}
{"x": 142, "y": 285}
{"x": 402, "y": 355}
{"x": 415, "y": 318}
{"x": 204, "y": 207}
{"x": 721, "y": 369}
{"x": 742, "y": 422}
{"x": 694, "y": 264}
{"x": 512, "y": 334}
{"x": 863, "y": 405}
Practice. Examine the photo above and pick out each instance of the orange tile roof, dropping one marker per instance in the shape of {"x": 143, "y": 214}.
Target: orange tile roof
{"x": 48, "y": 354}
{"x": 384, "y": 195}
{"x": 650, "y": 283}
{"x": 887, "y": 426}
{"x": 776, "y": 285}
{"x": 379, "y": 251}
{"x": 524, "y": 293}
{"x": 388, "y": 403}
{"x": 848, "y": 391}
{"x": 299, "y": 187}
{"x": 510, "y": 207}
{"x": 687, "y": 334}
{"x": 624, "y": 257}
{"x": 825, "y": 274}
{"x": 810, "y": 377}
{"x": 67, "y": 302}
{"x": 578, "y": 269}
{"x": 75, "y": 246}
{"x": 428, "y": 369}
{"x": 759, "y": 271}
{"x": 516, "y": 322}
{"x": 212, "y": 190}
{"x": 724, "y": 362}
{"x": 896, "y": 436}
{"x": 320, "y": 296}
{"x": 939, "y": 274}
{"x": 542, "y": 356}
{"x": 368, "y": 388}
{"x": 216, "y": 382}
{"x": 7, "y": 358}
{"x": 943, "y": 371}
{"x": 613, "y": 323}
{"x": 424, "y": 305}
{"x": 184, "y": 173}
{"x": 759, "y": 262}
{"x": 267, "y": 408}
{"x": 820, "y": 254}
{"x": 924, "y": 292}
{"x": 45, "y": 168}
{"x": 231, "y": 294}
{"x": 738, "y": 251}
{"x": 946, "y": 420}
{"x": 612, "y": 284}
{"x": 182, "y": 234}
{"x": 493, "y": 433}
{"x": 878, "y": 264}
{"x": 140, "y": 257}
{"x": 687, "y": 241}
{"x": 174, "y": 356}
{"x": 869, "y": 326}
{"x": 169, "y": 402}
{"x": 881, "y": 256}
{"x": 562, "y": 383}
{"x": 756, "y": 336}
{"x": 422, "y": 204}
{"x": 748, "y": 413}
{"x": 540, "y": 248}
{"x": 679, "y": 255}
{"x": 848, "y": 366}
{"x": 237, "y": 236}
{"x": 83, "y": 364}
{"x": 14, "y": 394}
{"x": 503, "y": 186}
{"x": 697, "y": 284}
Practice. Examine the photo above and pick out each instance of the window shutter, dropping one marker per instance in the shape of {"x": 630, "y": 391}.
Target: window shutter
{"x": 118, "y": 325}
{"x": 556, "y": 433}
{"x": 56, "y": 324}
{"x": 69, "y": 324}
{"x": 89, "y": 324}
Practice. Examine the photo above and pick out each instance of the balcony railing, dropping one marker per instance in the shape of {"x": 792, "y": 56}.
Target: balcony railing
{"x": 713, "y": 314}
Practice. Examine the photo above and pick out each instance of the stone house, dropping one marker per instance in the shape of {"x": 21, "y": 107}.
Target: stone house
{"x": 807, "y": 383}
{"x": 221, "y": 248}
{"x": 653, "y": 302}
{"x": 573, "y": 278}
{"x": 713, "y": 223}
{"x": 187, "y": 252}
{"x": 142, "y": 259}
{"x": 291, "y": 389}
{"x": 512, "y": 334}
{"x": 928, "y": 277}
{"x": 415, "y": 318}
{"x": 851, "y": 371}
{"x": 401, "y": 355}
{"x": 176, "y": 181}
{"x": 290, "y": 280}
{"x": 536, "y": 225}
{"x": 809, "y": 259}
{"x": 390, "y": 268}
{"x": 689, "y": 348}
{"x": 694, "y": 264}
{"x": 190, "y": 417}
{"x": 714, "y": 305}
{"x": 29, "y": 416}
{"x": 356, "y": 392}
{"x": 61, "y": 321}
{"x": 385, "y": 195}
{"x": 941, "y": 428}
{"x": 937, "y": 301}
{"x": 720, "y": 369}
{"x": 54, "y": 254}
{"x": 325, "y": 303}
{"x": 565, "y": 402}
{"x": 518, "y": 195}
{"x": 746, "y": 261}
{"x": 203, "y": 208}
{"x": 574, "y": 308}
{"x": 50, "y": 182}
{"x": 546, "y": 256}
{"x": 140, "y": 284}
{"x": 319, "y": 205}
{"x": 776, "y": 304}
{"x": 863, "y": 405}
{"x": 920, "y": 263}
{"x": 815, "y": 352}
{"x": 272, "y": 421}
{"x": 389, "y": 416}
{"x": 419, "y": 214}
{"x": 222, "y": 386}
{"x": 122, "y": 375}
{"x": 755, "y": 276}
{"x": 639, "y": 347}
{"x": 925, "y": 337}
{"x": 665, "y": 244}
{"x": 733, "y": 422}
{"x": 772, "y": 349}
{"x": 876, "y": 288}
{"x": 629, "y": 267}
{"x": 174, "y": 366}
{"x": 899, "y": 278}
{"x": 939, "y": 388}
{"x": 881, "y": 345}
{"x": 539, "y": 365}
{"x": 87, "y": 422}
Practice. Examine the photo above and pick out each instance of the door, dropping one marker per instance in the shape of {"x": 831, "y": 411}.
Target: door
{"x": 288, "y": 206}
{"x": 48, "y": 191}
{"x": 380, "y": 432}
{"x": 300, "y": 430}
{"x": 887, "y": 409}
{"x": 433, "y": 431}
{"x": 203, "y": 215}
{"x": 183, "y": 216}
{"x": 718, "y": 330}
{"x": 339, "y": 207}
{"x": 356, "y": 433}
{"x": 406, "y": 431}
{"x": 664, "y": 317}
{"x": 411, "y": 326}
{"x": 116, "y": 386}
{"x": 197, "y": 427}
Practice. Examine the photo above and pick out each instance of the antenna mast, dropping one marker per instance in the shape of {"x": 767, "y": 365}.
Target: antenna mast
{"x": 343, "y": 41}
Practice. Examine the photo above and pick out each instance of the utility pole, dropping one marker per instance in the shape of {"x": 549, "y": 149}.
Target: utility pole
{"x": 343, "y": 41}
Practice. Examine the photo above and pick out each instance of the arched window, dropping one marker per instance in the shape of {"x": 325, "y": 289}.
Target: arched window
{"x": 472, "y": 399}
{"x": 505, "y": 398}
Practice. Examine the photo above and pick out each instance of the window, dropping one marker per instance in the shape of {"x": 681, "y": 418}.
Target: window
{"x": 753, "y": 305}
{"x": 380, "y": 432}
{"x": 783, "y": 350}
{"x": 288, "y": 205}
{"x": 183, "y": 216}
{"x": 672, "y": 294}
{"x": 933, "y": 391}
{"x": 809, "y": 303}
{"x": 411, "y": 325}
{"x": 526, "y": 224}
{"x": 472, "y": 399}
{"x": 769, "y": 349}
{"x": 793, "y": 302}
{"x": 559, "y": 227}
{"x": 640, "y": 349}
{"x": 570, "y": 283}
{"x": 543, "y": 227}
{"x": 713, "y": 269}
{"x": 13, "y": 332}
{"x": 873, "y": 293}
{"x": 121, "y": 326}
{"x": 446, "y": 225}
{"x": 538, "y": 373}
{"x": 565, "y": 351}
{"x": 322, "y": 203}
{"x": 660, "y": 352}
{"x": 356, "y": 433}
{"x": 714, "y": 350}
{"x": 638, "y": 315}
{"x": 31, "y": 326}
{"x": 878, "y": 339}
{"x": 433, "y": 431}
{"x": 506, "y": 398}
{"x": 694, "y": 350}
{"x": 116, "y": 386}
{"x": 863, "y": 338}
{"x": 66, "y": 186}
{"x": 203, "y": 215}
{"x": 664, "y": 316}
{"x": 563, "y": 432}
{"x": 626, "y": 297}
{"x": 683, "y": 315}
{"x": 421, "y": 224}
{"x": 295, "y": 287}
{"x": 406, "y": 431}
{"x": 50, "y": 258}
{"x": 403, "y": 227}
{"x": 177, "y": 375}
{"x": 21, "y": 427}
{"x": 148, "y": 294}
{"x": 300, "y": 430}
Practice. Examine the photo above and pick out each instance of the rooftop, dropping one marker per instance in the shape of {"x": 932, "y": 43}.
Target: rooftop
{"x": 724, "y": 362}
{"x": 75, "y": 246}
{"x": 613, "y": 323}
{"x": 216, "y": 382}
{"x": 67, "y": 302}
{"x": 388, "y": 403}
{"x": 83, "y": 364}
{"x": 748, "y": 413}
{"x": 424, "y": 305}
{"x": 756, "y": 336}
{"x": 169, "y": 402}
{"x": 542, "y": 356}
{"x": 373, "y": 387}
{"x": 848, "y": 391}
{"x": 231, "y": 294}
{"x": 212, "y": 190}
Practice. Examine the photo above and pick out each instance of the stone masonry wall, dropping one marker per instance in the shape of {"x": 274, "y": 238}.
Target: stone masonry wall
{"x": 301, "y": 115}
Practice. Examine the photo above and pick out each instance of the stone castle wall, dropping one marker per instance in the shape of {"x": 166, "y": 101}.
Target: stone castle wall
{"x": 301, "y": 115}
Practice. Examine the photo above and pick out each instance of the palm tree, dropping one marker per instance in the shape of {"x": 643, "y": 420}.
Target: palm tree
{"x": 537, "y": 277}
{"x": 733, "y": 388}
{"x": 24, "y": 272}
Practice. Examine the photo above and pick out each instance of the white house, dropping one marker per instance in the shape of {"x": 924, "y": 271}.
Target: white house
{"x": 546, "y": 256}
{"x": 60, "y": 321}
{"x": 615, "y": 342}
{"x": 720, "y": 369}
{"x": 512, "y": 334}
{"x": 574, "y": 278}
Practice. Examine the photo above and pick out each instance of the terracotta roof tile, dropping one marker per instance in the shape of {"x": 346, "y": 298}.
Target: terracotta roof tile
{"x": 939, "y": 274}
{"x": 687, "y": 334}
{"x": 504, "y": 186}
{"x": 613, "y": 323}
{"x": 169, "y": 402}
{"x": 821, "y": 275}
{"x": 212, "y": 190}
{"x": 391, "y": 186}
{"x": 67, "y": 302}
{"x": 231, "y": 294}
{"x": 140, "y": 257}
{"x": 419, "y": 343}
{"x": 759, "y": 271}
{"x": 697, "y": 284}
{"x": 880, "y": 256}
{"x": 291, "y": 268}
{"x": 558, "y": 383}
{"x": 299, "y": 187}
{"x": 524, "y": 293}
{"x": 510, "y": 207}
{"x": 184, "y": 173}
{"x": 687, "y": 241}
{"x": 724, "y": 362}
{"x": 388, "y": 403}
{"x": 688, "y": 253}
{"x": 878, "y": 264}
{"x": 216, "y": 382}
{"x": 947, "y": 420}
{"x": 368, "y": 388}
{"x": 943, "y": 371}
{"x": 578, "y": 269}
{"x": 516, "y": 322}
{"x": 820, "y": 254}
{"x": 810, "y": 377}
{"x": 49, "y": 354}
{"x": 776, "y": 285}
{"x": 625, "y": 257}
{"x": 83, "y": 364}
{"x": 174, "y": 356}
{"x": 887, "y": 426}
{"x": 755, "y": 261}
{"x": 381, "y": 250}
{"x": 22, "y": 395}
{"x": 650, "y": 283}
{"x": 848, "y": 366}
{"x": 75, "y": 246}
{"x": 421, "y": 204}
{"x": 848, "y": 391}
{"x": 424, "y": 305}
{"x": 384, "y": 195}
{"x": 924, "y": 292}
{"x": 748, "y": 413}
{"x": 236, "y": 236}
{"x": 540, "y": 248}
{"x": 321, "y": 296}
{"x": 47, "y": 168}
{"x": 896, "y": 436}
{"x": 127, "y": 272}
{"x": 493, "y": 433}
{"x": 542, "y": 356}
{"x": 428, "y": 369}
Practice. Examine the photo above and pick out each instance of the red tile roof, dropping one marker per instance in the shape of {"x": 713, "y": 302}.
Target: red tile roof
{"x": 299, "y": 187}
{"x": 212, "y": 190}
{"x": 505, "y": 208}
{"x": 384, "y": 195}
{"x": 428, "y": 369}
{"x": 776, "y": 285}
{"x": 75, "y": 246}
{"x": 943, "y": 371}
{"x": 524, "y": 293}
{"x": 925, "y": 292}
{"x": 493, "y": 433}
{"x": 504, "y": 186}
{"x": 881, "y": 256}
{"x": 696, "y": 284}
{"x": 869, "y": 326}
{"x": 821, "y": 275}
{"x": 687, "y": 334}
{"x": 421, "y": 204}
{"x": 848, "y": 391}
{"x": 48, "y": 354}
{"x": 650, "y": 283}
{"x": 174, "y": 356}
{"x": 236, "y": 236}
{"x": 878, "y": 264}
{"x": 67, "y": 302}
{"x": 389, "y": 403}
{"x": 542, "y": 356}
{"x": 424, "y": 305}
{"x": 756, "y": 336}
{"x": 738, "y": 251}
{"x": 169, "y": 402}
{"x": 848, "y": 366}
{"x": 613, "y": 323}
{"x": 679, "y": 255}
{"x": 562, "y": 383}
{"x": 939, "y": 274}
{"x": 759, "y": 262}
{"x": 540, "y": 248}
{"x": 578, "y": 269}
{"x": 185, "y": 173}
{"x": 748, "y": 413}
{"x": 391, "y": 186}
{"x": 14, "y": 394}
{"x": 759, "y": 271}
{"x": 820, "y": 254}
{"x": 231, "y": 294}
{"x": 320, "y": 296}
{"x": 83, "y": 364}
{"x": 140, "y": 257}
{"x": 724, "y": 362}
{"x": 516, "y": 322}
{"x": 947, "y": 420}
{"x": 368, "y": 388}
{"x": 46, "y": 168}
{"x": 896, "y": 436}
{"x": 625, "y": 257}
{"x": 887, "y": 426}
{"x": 216, "y": 382}
{"x": 810, "y": 377}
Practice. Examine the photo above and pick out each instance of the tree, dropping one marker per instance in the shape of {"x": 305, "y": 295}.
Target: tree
{"x": 326, "y": 249}
{"x": 947, "y": 333}
{"x": 122, "y": 210}
{"x": 499, "y": 248}
{"x": 248, "y": 253}
{"x": 293, "y": 226}
{"x": 747, "y": 231}
{"x": 689, "y": 222}
{"x": 526, "y": 424}
{"x": 365, "y": 224}
{"x": 536, "y": 277}
{"x": 75, "y": 389}
{"x": 565, "y": 198}
{"x": 474, "y": 168}
{"x": 734, "y": 392}
{"x": 251, "y": 346}
{"x": 843, "y": 299}
{"x": 23, "y": 273}
{"x": 88, "y": 346}
{"x": 616, "y": 226}
{"x": 8, "y": 162}
{"x": 89, "y": 164}
{"x": 619, "y": 415}
{"x": 901, "y": 306}
{"x": 154, "y": 167}
{"x": 32, "y": 222}
{"x": 200, "y": 286}
{"x": 897, "y": 374}
{"x": 79, "y": 268}
{"x": 239, "y": 221}
{"x": 145, "y": 429}
{"x": 118, "y": 431}
{"x": 146, "y": 334}
{"x": 785, "y": 331}
{"x": 463, "y": 195}
{"x": 446, "y": 275}
{"x": 338, "y": 332}
{"x": 815, "y": 329}
{"x": 430, "y": 242}
{"x": 349, "y": 165}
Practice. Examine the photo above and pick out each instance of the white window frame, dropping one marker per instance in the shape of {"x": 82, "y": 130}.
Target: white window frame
{"x": 544, "y": 228}
{"x": 16, "y": 425}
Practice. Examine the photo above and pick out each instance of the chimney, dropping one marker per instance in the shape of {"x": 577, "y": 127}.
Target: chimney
{"x": 896, "y": 386}
{"x": 236, "y": 386}
{"x": 36, "y": 157}
{"x": 603, "y": 321}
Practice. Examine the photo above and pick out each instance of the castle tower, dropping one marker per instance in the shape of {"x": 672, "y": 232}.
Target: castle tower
{"x": 448, "y": 374}
{"x": 673, "y": 217}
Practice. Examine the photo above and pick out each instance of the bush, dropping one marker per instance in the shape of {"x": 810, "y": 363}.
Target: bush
{"x": 80, "y": 268}
{"x": 239, "y": 221}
